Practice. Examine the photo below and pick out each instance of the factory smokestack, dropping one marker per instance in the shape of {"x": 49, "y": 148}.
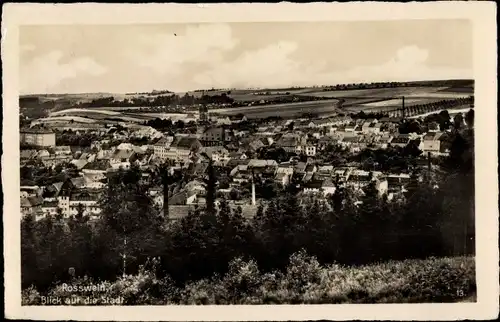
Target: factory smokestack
{"x": 253, "y": 189}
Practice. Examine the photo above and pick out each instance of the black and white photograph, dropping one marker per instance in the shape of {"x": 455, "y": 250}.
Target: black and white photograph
{"x": 215, "y": 163}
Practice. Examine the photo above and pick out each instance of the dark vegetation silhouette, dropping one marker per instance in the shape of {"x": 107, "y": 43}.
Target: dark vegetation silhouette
{"x": 435, "y": 219}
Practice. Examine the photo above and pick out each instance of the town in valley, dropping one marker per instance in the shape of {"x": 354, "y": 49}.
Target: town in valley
{"x": 351, "y": 193}
{"x": 360, "y": 135}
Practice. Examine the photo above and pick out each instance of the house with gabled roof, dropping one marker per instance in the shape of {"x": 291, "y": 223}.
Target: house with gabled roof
{"x": 359, "y": 179}
{"x": 312, "y": 186}
{"x": 241, "y": 173}
{"x": 31, "y": 205}
{"x": 401, "y": 140}
{"x": 431, "y": 143}
{"x": 213, "y": 136}
{"x": 48, "y": 208}
{"x": 28, "y": 154}
{"x": 328, "y": 187}
{"x": 182, "y": 148}
{"x": 122, "y": 159}
{"x": 396, "y": 182}
{"x": 94, "y": 174}
{"x": 284, "y": 174}
{"x": 218, "y": 154}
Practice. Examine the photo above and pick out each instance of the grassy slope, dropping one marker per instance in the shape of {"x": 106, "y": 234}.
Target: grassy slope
{"x": 305, "y": 281}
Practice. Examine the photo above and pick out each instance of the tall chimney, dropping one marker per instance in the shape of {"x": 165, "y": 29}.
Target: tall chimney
{"x": 253, "y": 190}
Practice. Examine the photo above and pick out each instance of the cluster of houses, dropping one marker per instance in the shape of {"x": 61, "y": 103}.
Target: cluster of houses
{"x": 232, "y": 149}
{"x": 66, "y": 198}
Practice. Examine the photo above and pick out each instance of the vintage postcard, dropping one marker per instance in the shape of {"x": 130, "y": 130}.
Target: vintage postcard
{"x": 250, "y": 162}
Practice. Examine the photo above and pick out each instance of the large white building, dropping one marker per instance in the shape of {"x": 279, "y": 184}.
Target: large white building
{"x": 161, "y": 147}
{"x": 38, "y": 137}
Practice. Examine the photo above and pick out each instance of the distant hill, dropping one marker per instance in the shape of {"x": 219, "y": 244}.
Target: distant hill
{"x": 40, "y": 105}
{"x": 465, "y": 83}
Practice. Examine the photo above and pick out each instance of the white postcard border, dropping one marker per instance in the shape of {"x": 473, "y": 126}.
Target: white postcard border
{"x": 482, "y": 14}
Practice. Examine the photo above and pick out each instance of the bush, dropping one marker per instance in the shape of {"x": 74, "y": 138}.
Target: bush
{"x": 30, "y": 296}
{"x": 304, "y": 281}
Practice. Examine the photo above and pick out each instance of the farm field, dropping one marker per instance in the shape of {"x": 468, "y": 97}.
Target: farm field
{"x": 283, "y": 110}
{"x": 120, "y": 108}
{"x": 66, "y": 118}
{"x": 93, "y": 115}
{"x": 252, "y": 94}
{"x": 392, "y": 102}
{"x": 418, "y": 91}
{"x": 459, "y": 89}
{"x": 373, "y": 100}
{"x": 85, "y": 110}
{"x": 376, "y": 92}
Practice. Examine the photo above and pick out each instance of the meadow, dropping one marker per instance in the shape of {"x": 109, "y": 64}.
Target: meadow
{"x": 283, "y": 110}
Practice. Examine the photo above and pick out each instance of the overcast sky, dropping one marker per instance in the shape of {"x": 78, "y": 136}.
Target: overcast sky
{"x": 180, "y": 57}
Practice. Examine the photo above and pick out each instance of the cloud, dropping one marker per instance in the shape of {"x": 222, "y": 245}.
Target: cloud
{"x": 408, "y": 63}
{"x": 169, "y": 53}
{"x": 274, "y": 66}
{"x": 206, "y": 56}
{"x": 411, "y": 55}
{"x": 44, "y": 73}
{"x": 266, "y": 67}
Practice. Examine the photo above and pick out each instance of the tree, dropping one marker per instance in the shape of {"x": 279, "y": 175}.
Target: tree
{"x": 444, "y": 120}
{"x": 210, "y": 188}
{"x": 234, "y": 194}
{"x": 455, "y": 161}
{"x": 29, "y": 256}
{"x": 166, "y": 181}
{"x": 469, "y": 118}
{"x": 130, "y": 225}
{"x": 458, "y": 121}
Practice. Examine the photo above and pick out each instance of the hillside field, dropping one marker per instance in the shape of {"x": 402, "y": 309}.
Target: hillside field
{"x": 354, "y": 100}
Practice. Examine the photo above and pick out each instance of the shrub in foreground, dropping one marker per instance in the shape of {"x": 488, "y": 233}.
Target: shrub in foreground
{"x": 303, "y": 281}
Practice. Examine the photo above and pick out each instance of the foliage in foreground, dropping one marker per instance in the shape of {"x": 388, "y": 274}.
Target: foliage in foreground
{"x": 304, "y": 280}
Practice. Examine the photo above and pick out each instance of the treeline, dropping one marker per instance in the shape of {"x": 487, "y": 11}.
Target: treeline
{"x": 34, "y": 173}
{"x": 353, "y": 86}
{"x": 282, "y": 100}
{"x": 420, "y": 108}
{"x": 83, "y": 140}
{"x": 362, "y": 115}
{"x": 153, "y": 92}
{"x": 437, "y": 219}
{"x": 158, "y": 101}
{"x": 439, "y": 105}
{"x": 167, "y": 125}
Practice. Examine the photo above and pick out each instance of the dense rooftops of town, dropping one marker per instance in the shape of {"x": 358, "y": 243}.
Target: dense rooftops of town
{"x": 303, "y": 150}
